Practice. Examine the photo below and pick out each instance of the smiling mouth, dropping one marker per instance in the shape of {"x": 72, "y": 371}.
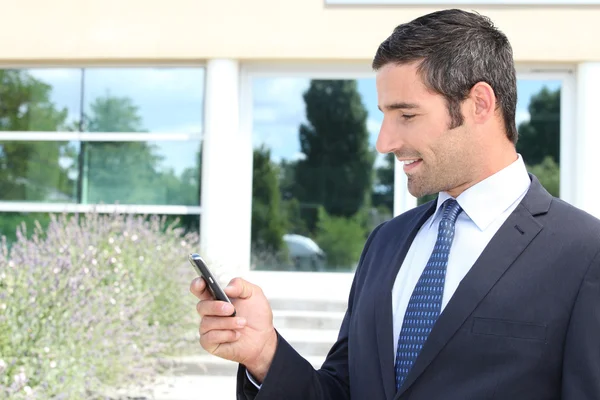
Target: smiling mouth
{"x": 411, "y": 164}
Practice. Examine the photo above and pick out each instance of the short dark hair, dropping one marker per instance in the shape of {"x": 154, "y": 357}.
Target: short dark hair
{"x": 456, "y": 49}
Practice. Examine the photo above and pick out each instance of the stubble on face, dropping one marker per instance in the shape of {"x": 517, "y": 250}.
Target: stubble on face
{"x": 445, "y": 165}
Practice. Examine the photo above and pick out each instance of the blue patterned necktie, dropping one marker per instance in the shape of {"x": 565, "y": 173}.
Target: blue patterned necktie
{"x": 426, "y": 300}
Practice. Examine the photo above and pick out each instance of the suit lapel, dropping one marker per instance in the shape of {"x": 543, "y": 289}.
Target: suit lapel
{"x": 383, "y": 303}
{"x": 505, "y": 247}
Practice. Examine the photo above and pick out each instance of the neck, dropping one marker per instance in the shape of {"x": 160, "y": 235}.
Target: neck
{"x": 489, "y": 162}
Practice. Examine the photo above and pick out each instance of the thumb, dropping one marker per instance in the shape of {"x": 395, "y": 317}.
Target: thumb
{"x": 239, "y": 288}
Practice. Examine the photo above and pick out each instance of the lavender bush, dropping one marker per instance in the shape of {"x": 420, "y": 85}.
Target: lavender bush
{"x": 91, "y": 302}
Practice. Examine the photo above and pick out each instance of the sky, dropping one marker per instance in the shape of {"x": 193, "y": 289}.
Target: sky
{"x": 171, "y": 100}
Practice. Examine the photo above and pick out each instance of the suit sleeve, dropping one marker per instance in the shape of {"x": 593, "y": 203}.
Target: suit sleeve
{"x": 292, "y": 377}
{"x": 581, "y": 365}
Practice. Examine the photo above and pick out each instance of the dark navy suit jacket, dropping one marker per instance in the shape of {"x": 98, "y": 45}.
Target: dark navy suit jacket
{"x": 524, "y": 323}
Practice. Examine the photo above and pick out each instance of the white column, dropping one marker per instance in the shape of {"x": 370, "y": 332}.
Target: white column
{"x": 588, "y": 137}
{"x": 226, "y": 173}
{"x": 568, "y": 140}
{"x": 403, "y": 200}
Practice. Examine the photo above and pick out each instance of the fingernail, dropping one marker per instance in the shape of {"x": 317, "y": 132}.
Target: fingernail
{"x": 241, "y": 321}
{"x": 237, "y": 334}
{"x": 227, "y": 308}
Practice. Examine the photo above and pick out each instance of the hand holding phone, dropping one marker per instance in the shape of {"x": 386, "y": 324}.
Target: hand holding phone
{"x": 211, "y": 283}
{"x": 248, "y": 338}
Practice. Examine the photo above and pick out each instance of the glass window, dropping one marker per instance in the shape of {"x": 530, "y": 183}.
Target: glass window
{"x": 166, "y": 100}
{"x": 39, "y": 171}
{"x": 538, "y": 124}
{"x": 164, "y": 173}
{"x": 319, "y": 187}
{"x": 128, "y": 100}
{"x": 44, "y": 99}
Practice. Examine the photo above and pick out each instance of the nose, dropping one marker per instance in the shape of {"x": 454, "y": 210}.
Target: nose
{"x": 388, "y": 140}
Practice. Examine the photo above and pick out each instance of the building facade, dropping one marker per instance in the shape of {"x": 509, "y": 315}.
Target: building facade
{"x": 205, "y": 110}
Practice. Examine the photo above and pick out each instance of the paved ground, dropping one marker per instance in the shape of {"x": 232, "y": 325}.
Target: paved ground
{"x": 196, "y": 387}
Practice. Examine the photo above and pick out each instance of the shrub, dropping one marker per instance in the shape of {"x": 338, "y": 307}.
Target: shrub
{"x": 342, "y": 239}
{"x": 89, "y": 303}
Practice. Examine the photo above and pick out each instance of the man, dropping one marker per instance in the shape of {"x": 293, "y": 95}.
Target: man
{"x": 490, "y": 292}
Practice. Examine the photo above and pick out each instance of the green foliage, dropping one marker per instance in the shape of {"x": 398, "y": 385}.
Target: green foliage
{"x": 426, "y": 198}
{"x": 10, "y": 222}
{"x": 130, "y": 172}
{"x": 337, "y": 170}
{"x": 31, "y": 170}
{"x": 383, "y": 195}
{"x": 540, "y": 136}
{"x": 92, "y": 301}
{"x": 268, "y": 223}
{"x": 293, "y": 217}
{"x": 342, "y": 239}
{"x": 539, "y": 139}
{"x": 25, "y": 104}
{"x": 548, "y": 172}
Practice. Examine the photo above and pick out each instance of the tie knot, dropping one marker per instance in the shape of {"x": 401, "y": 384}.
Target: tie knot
{"x": 451, "y": 210}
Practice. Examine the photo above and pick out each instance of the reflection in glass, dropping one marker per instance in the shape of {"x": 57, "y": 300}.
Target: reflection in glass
{"x": 538, "y": 122}
{"x": 319, "y": 187}
{"x": 9, "y": 222}
{"x": 38, "y": 171}
{"x": 163, "y": 173}
{"x": 39, "y": 99}
{"x": 144, "y": 99}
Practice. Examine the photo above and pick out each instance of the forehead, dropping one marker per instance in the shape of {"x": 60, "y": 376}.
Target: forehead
{"x": 402, "y": 84}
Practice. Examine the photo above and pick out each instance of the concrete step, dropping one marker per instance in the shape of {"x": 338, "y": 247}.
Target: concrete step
{"x": 288, "y": 304}
{"x": 307, "y": 342}
{"x": 307, "y": 319}
{"x": 208, "y": 364}
{"x": 195, "y": 387}
{"x": 310, "y": 342}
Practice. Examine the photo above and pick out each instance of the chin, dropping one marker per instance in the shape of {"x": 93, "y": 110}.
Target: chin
{"x": 419, "y": 191}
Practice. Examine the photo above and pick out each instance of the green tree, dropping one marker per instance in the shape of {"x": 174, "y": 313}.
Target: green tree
{"x": 383, "y": 192}
{"x": 131, "y": 172}
{"x": 32, "y": 171}
{"x": 539, "y": 139}
{"x": 540, "y": 136}
{"x": 337, "y": 170}
{"x": 341, "y": 238}
{"x": 548, "y": 172}
{"x": 120, "y": 172}
{"x": 268, "y": 223}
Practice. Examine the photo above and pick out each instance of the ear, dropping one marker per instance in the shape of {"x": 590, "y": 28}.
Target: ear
{"x": 483, "y": 101}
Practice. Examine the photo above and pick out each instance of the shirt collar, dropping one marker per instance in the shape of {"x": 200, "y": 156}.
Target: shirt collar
{"x": 488, "y": 199}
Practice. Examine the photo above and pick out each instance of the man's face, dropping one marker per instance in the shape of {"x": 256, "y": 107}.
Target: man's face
{"x": 415, "y": 128}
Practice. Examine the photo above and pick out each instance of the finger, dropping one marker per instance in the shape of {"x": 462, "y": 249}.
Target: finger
{"x": 214, "y": 308}
{"x": 241, "y": 289}
{"x": 199, "y": 289}
{"x": 218, "y": 323}
{"x": 213, "y": 339}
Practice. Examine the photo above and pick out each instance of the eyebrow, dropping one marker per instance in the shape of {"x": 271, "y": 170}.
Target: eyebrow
{"x": 400, "y": 105}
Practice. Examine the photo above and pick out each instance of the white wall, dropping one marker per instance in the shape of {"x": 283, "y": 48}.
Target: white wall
{"x": 35, "y": 31}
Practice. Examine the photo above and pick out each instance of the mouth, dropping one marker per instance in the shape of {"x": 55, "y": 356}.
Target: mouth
{"x": 410, "y": 165}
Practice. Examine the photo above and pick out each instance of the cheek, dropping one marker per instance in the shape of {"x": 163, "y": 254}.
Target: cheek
{"x": 426, "y": 137}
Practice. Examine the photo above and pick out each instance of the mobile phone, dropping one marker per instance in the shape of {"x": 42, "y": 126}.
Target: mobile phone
{"x": 211, "y": 283}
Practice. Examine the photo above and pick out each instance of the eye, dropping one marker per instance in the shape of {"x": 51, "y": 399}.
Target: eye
{"x": 408, "y": 116}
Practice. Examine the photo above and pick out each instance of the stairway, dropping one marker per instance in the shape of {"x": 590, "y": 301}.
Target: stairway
{"x": 308, "y": 310}
{"x": 311, "y": 327}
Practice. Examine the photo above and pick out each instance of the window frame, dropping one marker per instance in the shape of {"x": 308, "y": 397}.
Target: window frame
{"x": 31, "y": 136}
{"x": 403, "y": 200}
